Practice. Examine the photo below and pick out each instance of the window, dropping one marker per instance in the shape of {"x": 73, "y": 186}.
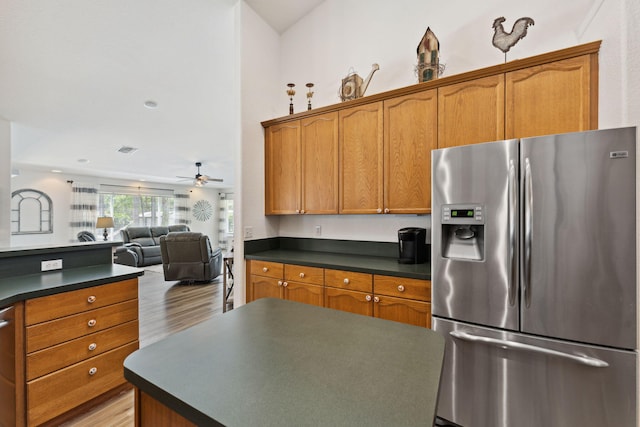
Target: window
{"x": 137, "y": 209}
{"x": 31, "y": 212}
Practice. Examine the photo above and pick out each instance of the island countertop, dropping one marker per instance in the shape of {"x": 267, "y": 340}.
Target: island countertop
{"x": 28, "y": 286}
{"x": 83, "y": 265}
{"x": 280, "y": 363}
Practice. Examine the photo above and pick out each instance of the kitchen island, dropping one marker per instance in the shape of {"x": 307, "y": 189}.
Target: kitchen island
{"x": 64, "y": 332}
{"x": 281, "y": 363}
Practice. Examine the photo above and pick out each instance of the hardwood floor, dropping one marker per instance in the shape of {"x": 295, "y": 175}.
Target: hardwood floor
{"x": 164, "y": 308}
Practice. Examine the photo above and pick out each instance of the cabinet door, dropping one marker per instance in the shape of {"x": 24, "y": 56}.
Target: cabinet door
{"x": 351, "y": 301}
{"x": 552, "y": 98}
{"x": 319, "y": 148}
{"x": 361, "y": 159}
{"x": 282, "y": 169}
{"x": 410, "y": 133}
{"x": 304, "y": 293}
{"x": 416, "y": 313}
{"x": 265, "y": 287}
{"x": 471, "y": 112}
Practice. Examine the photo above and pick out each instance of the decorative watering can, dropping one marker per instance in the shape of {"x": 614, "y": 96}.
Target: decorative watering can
{"x": 353, "y": 86}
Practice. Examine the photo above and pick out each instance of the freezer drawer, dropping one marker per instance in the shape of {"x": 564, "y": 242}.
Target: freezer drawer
{"x": 493, "y": 378}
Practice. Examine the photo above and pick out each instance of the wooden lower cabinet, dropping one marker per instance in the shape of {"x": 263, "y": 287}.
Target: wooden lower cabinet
{"x": 304, "y": 293}
{"x": 286, "y": 281}
{"x": 351, "y": 301}
{"x": 402, "y": 310}
{"x": 264, "y": 287}
{"x": 387, "y": 297}
{"x": 71, "y": 350}
{"x": 151, "y": 413}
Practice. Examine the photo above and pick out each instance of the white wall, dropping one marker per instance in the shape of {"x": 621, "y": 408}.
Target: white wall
{"x": 5, "y": 180}
{"x": 59, "y": 190}
{"x": 341, "y": 34}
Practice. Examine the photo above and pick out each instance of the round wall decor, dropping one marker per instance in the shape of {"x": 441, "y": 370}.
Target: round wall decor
{"x": 202, "y": 210}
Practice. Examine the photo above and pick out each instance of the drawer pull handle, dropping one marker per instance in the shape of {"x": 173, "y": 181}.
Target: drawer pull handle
{"x": 92, "y": 346}
{"x": 265, "y": 269}
{"x": 368, "y": 297}
{"x": 302, "y": 275}
{"x": 346, "y": 281}
{"x": 91, "y": 323}
{"x": 401, "y": 288}
{"x": 285, "y": 284}
{"x": 279, "y": 282}
{"x": 376, "y": 299}
{"x": 93, "y": 371}
{"x": 91, "y": 299}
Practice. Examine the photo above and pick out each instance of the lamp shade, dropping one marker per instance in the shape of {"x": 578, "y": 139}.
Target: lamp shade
{"x": 105, "y": 222}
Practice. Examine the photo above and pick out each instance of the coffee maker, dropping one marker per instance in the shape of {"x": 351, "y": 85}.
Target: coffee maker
{"x": 412, "y": 245}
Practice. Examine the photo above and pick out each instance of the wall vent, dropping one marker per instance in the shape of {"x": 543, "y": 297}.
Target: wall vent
{"x": 127, "y": 150}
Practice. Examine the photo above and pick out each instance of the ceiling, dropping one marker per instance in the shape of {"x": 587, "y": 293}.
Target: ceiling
{"x": 75, "y": 75}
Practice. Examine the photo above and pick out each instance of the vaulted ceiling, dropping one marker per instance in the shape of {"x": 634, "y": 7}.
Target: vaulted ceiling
{"x": 75, "y": 77}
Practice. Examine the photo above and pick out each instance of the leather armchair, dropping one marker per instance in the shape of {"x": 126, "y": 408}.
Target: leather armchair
{"x": 188, "y": 256}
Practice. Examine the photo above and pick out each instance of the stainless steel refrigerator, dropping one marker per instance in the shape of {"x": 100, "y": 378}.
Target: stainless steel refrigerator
{"x": 534, "y": 280}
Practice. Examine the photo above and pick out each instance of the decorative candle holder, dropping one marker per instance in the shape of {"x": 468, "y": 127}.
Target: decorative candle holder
{"x": 291, "y": 92}
{"x": 309, "y": 95}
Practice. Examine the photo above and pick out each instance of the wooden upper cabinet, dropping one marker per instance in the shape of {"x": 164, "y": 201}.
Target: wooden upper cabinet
{"x": 361, "y": 159}
{"x": 282, "y": 168}
{"x": 471, "y": 112}
{"x": 319, "y": 148}
{"x": 556, "y": 97}
{"x": 410, "y": 133}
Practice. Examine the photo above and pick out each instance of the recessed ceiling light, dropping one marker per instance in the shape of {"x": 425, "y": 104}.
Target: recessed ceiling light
{"x": 56, "y": 171}
{"x": 83, "y": 160}
{"x": 150, "y": 104}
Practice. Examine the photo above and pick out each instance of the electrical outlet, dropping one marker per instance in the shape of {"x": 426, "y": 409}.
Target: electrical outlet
{"x": 52, "y": 264}
{"x": 318, "y": 230}
{"x": 248, "y": 232}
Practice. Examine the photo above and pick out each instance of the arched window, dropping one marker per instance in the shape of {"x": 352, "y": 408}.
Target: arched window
{"x": 31, "y": 212}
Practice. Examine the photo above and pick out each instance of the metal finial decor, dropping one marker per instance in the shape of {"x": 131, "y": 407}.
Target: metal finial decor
{"x": 309, "y": 95}
{"x": 291, "y": 92}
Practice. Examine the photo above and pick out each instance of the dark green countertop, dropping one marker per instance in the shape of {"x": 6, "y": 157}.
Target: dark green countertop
{"x": 339, "y": 261}
{"x": 280, "y": 363}
{"x": 19, "y": 288}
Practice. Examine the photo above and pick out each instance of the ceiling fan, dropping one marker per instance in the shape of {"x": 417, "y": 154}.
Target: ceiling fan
{"x": 199, "y": 180}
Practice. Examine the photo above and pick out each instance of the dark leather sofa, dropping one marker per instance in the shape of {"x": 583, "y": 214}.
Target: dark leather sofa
{"x": 189, "y": 257}
{"x": 142, "y": 244}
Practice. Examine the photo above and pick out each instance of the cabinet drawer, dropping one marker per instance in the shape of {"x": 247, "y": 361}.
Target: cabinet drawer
{"x": 68, "y": 328}
{"x": 56, "y": 393}
{"x": 348, "y": 280}
{"x": 57, "y": 357}
{"x": 402, "y": 287}
{"x": 267, "y": 269}
{"x": 64, "y": 304}
{"x": 304, "y": 274}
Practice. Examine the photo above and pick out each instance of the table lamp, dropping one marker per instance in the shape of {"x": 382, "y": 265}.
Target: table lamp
{"x": 105, "y": 222}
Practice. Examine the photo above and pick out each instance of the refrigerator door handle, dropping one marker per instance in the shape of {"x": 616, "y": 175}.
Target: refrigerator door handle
{"x": 512, "y": 345}
{"x": 513, "y": 209}
{"x": 528, "y": 231}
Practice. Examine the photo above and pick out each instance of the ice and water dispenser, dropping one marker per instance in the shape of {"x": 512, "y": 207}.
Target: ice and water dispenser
{"x": 463, "y": 232}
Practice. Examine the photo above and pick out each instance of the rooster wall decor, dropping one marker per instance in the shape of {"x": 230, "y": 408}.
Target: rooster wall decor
{"x": 503, "y": 40}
